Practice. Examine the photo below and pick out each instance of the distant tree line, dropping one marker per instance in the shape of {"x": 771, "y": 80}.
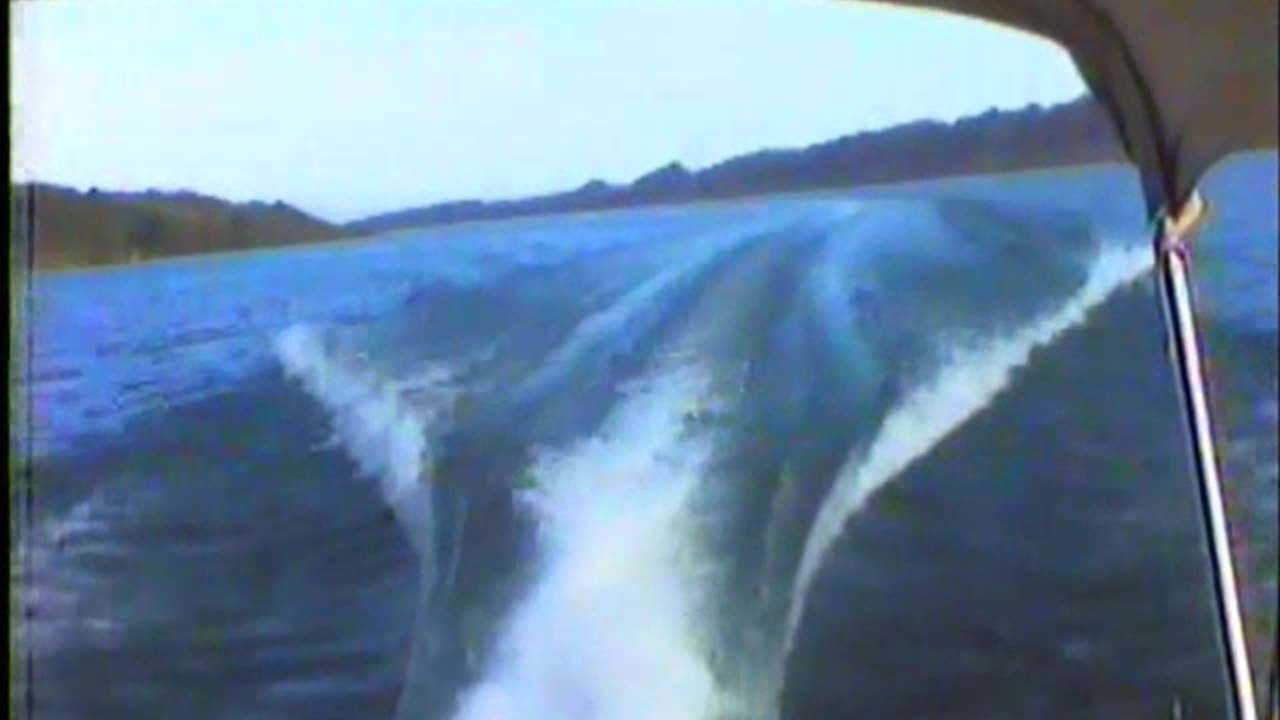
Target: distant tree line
{"x": 1072, "y": 133}
{"x": 75, "y": 229}
{"x": 69, "y": 228}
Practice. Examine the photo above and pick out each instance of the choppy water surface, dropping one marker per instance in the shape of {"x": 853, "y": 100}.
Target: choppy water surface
{"x": 898, "y": 453}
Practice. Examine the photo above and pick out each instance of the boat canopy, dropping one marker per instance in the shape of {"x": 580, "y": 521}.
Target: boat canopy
{"x": 1186, "y": 82}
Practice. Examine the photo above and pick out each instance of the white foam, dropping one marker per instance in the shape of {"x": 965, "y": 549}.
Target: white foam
{"x": 384, "y": 433}
{"x": 967, "y": 382}
{"x": 609, "y": 629}
{"x": 635, "y": 307}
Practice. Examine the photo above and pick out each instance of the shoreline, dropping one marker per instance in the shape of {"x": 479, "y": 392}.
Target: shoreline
{"x": 583, "y": 213}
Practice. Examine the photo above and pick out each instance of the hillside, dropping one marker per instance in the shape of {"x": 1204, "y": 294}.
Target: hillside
{"x": 77, "y": 229}
{"x": 1067, "y": 134}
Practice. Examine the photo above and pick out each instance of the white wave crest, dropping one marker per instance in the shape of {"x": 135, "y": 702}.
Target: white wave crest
{"x": 967, "y": 382}
{"x": 609, "y": 629}
{"x": 374, "y": 421}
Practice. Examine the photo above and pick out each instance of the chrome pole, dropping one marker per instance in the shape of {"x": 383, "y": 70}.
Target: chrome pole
{"x": 1173, "y": 260}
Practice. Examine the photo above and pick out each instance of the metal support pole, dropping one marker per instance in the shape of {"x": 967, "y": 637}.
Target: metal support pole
{"x": 1273, "y": 680}
{"x": 1174, "y": 268}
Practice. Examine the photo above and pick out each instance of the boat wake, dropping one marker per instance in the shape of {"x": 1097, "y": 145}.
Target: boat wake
{"x": 385, "y": 427}
{"x": 618, "y": 609}
{"x": 610, "y": 626}
{"x": 968, "y": 380}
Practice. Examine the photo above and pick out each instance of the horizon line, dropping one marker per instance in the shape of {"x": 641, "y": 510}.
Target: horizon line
{"x": 186, "y": 190}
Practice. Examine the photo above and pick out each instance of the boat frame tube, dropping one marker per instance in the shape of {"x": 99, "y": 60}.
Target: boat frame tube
{"x": 1173, "y": 261}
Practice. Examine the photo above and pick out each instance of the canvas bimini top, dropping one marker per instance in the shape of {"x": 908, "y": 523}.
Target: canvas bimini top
{"x": 1186, "y": 82}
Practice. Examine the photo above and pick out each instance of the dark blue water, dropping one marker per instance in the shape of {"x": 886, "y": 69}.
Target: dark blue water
{"x": 895, "y": 453}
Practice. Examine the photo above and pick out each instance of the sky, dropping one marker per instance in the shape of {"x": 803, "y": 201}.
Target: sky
{"x": 351, "y": 108}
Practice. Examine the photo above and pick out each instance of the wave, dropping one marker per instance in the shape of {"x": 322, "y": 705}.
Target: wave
{"x": 622, "y": 585}
{"x": 594, "y": 470}
{"x": 384, "y": 426}
{"x": 967, "y": 381}
{"x": 620, "y": 327}
{"x": 52, "y": 591}
{"x": 610, "y": 627}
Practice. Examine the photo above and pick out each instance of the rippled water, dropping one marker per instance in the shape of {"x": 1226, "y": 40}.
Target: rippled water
{"x": 895, "y": 453}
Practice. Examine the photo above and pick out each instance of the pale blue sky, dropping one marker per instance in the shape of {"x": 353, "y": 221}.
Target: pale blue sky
{"x": 350, "y": 108}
